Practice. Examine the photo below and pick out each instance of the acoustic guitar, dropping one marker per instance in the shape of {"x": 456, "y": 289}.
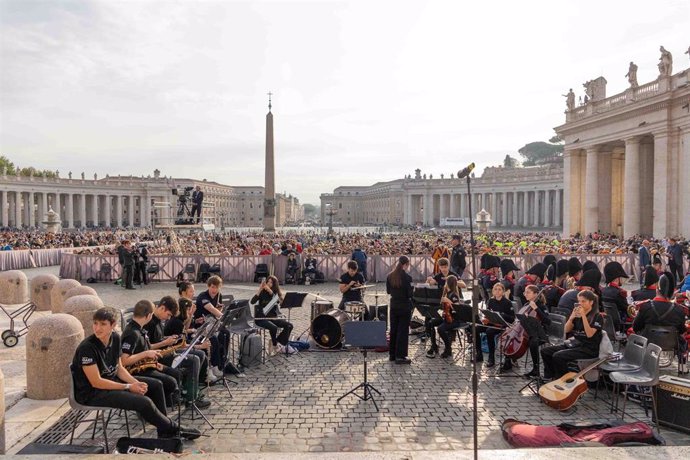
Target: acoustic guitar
{"x": 562, "y": 394}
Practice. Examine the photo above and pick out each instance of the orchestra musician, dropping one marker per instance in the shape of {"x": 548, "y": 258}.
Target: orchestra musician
{"x": 267, "y": 291}
{"x": 575, "y": 272}
{"x": 501, "y": 305}
{"x": 491, "y": 270}
{"x": 589, "y": 281}
{"x": 136, "y": 347}
{"x": 661, "y": 311}
{"x": 508, "y": 269}
{"x": 432, "y": 321}
{"x": 101, "y": 380}
{"x": 585, "y": 323}
{"x": 613, "y": 292}
{"x": 533, "y": 276}
{"x": 648, "y": 291}
{"x": 399, "y": 287}
{"x": 210, "y": 303}
{"x": 450, "y": 300}
{"x": 554, "y": 290}
{"x": 536, "y": 302}
{"x": 349, "y": 281}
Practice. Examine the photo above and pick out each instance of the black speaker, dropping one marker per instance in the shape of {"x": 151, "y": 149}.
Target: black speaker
{"x": 382, "y": 313}
{"x": 673, "y": 402}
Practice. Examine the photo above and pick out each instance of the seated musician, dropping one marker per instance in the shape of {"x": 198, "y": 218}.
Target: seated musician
{"x": 575, "y": 272}
{"x": 661, "y": 311}
{"x": 585, "y": 324}
{"x": 589, "y": 281}
{"x": 533, "y": 276}
{"x": 537, "y": 334}
{"x": 348, "y": 284}
{"x": 451, "y": 302}
{"x": 647, "y": 292}
{"x": 136, "y": 347}
{"x": 613, "y": 293}
{"x": 101, "y": 380}
{"x": 270, "y": 320}
{"x": 209, "y": 303}
{"x": 491, "y": 270}
{"x": 508, "y": 269}
{"x": 432, "y": 320}
{"x": 553, "y": 291}
{"x": 501, "y": 305}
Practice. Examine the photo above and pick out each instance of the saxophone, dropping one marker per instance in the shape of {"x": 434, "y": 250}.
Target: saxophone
{"x": 172, "y": 349}
{"x": 152, "y": 363}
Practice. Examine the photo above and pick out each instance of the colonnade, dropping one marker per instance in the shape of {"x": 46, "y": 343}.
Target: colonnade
{"x": 509, "y": 209}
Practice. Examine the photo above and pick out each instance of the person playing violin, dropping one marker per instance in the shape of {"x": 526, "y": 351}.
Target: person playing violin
{"x": 501, "y": 305}
{"x": 535, "y": 308}
{"x": 432, "y": 321}
{"x": 450, "y": 300}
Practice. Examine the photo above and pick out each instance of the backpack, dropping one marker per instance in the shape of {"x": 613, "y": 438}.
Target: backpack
{"x": 251, "y": 349}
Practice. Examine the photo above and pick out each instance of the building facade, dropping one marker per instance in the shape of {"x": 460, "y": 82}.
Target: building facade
{"x": 627, "y": 159}
{"x": 127, "y": 201}
{"x": 530, "y": 197}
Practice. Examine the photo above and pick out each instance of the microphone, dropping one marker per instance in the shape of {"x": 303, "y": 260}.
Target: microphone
{"x": 466, "y": 172}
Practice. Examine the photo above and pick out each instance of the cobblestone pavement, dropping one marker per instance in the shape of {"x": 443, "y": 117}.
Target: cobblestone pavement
{"x": 289, "y": 403}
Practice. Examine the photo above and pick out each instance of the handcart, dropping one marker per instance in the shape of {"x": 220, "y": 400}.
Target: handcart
{"x": 10, "y": 337}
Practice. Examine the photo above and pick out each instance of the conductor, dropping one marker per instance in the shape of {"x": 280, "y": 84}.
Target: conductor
{"x": 197, "y": 200}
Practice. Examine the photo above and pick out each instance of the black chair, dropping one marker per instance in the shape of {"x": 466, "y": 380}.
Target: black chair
{"x": 612, "y": 310}
{"x": 261, "y": 271}
{"x": 152, "y": 270}
{"x": 215, "y": 269}
{"x": 204, "y": 272}
{"x": 105, "y": 273}
{"x": 189, "y": 272}
{"x": 665, "y": 337}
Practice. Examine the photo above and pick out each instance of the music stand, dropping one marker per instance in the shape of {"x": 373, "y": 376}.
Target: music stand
{"x": 292, "y": 300}
{"x": 229, "y": 316}
{"x": 364, "y": 335}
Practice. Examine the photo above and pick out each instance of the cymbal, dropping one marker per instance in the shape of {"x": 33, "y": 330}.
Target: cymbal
{"x": 375, "y": 294}
{"x": 363, "y": 287}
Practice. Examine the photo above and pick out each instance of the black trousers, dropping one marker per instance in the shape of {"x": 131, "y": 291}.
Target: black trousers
{"x": 430, "y": 325}
{"x": 196, "y": 209}
{"x": 272, "y": 325}
{"x": 557, "y": 357}
{"x": 169, "y": 377}
{"x": 400, "y": 331}
{"x": 127, "y": 275}
{"x": 220, "y": 344}
{"x": 677, "y": 271}
{"x": 491, "y": 335}
{"x": 151, "y": 406}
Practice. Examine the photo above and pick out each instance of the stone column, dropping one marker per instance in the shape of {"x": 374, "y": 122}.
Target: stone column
{"x": 571, "y": 193}
{"x": 130, "y": 210}
{"x": 494, "y": 208}
{"x": 557, "y": 209}
{"x": 515, "y": 209}
{"x": 269, "y": 183}
{"x": 453, "y": 211}
{"x": 504, "y": 213}
{"x": 537, "y": 213}
{"x": 4, "y": 205}
{"x": 426, "y": 205}
{"x": 660, "y": 217}
{"x": 41, "y": 199}
{"x": 58, "y": 206}
{"x": 82, "y": 209}
{"x": 108, "y": 210}
{"x": 118, "y": 210}
{"x": 525, "y": 209}
{"x": 547, "y": 208}
{"x": 631, "y": 187}
{"x": 94, "y": 210}
{"x": 592, "y": 191}
{"x": 69, "y": 210}
{"x": 32, "y": 210}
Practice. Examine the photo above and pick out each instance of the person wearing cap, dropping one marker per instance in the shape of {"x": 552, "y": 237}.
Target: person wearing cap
{"x": 458, "y": 256}
{"x": 589, "y": 281}
{"x": 533, "y": 276}
{"x": 648, "y": 291}
{"x": 431, "y": 318}
{"x": 552, "y": 283}
{"x": 613, "y": 292}
{"x": 549, "y": 259}
{"x": 491, "y": 277}
{"x": 574, "y": 273}
{"x": 660, "y": 311}
{"x": 508, "y": 269}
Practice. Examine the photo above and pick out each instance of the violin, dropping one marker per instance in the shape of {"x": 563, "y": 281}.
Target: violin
{"x": 447, "y": 310}
{"x": 515, "y": 340}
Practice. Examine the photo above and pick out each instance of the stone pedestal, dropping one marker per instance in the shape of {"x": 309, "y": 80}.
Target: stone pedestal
{"x": 2, "y": 413}
{"x": 14, "y": 287}
{"x": 58, "y": 293}
{"x": 80, "y": 290}
{"x": 41, "y": 288}
{"x": 83, "y": 307}
{"x": 50, "y": 346}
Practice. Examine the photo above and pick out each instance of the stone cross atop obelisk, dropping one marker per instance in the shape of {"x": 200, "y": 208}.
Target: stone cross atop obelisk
{"x": 270, "y": 185}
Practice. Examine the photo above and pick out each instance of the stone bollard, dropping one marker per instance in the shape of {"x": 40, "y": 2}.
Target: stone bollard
{"x": 41, "y": 287}
{"x": 2, "y": 413}
{"x": 80, "y": 290}
{"x": 59, "y": 292}
{"x": 14, "y": 287}
{"x": 50, "y": 346}
{"x": 83, "y": 307}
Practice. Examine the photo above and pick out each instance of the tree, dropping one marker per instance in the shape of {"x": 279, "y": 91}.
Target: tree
{"x": 11, "y": 170}
{"x": 7, "y": 164}
{"x": 537, "y": 152}
{"x": 510, "y": 162}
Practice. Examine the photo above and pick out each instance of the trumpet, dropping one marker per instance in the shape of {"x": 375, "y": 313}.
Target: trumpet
{"x": 634, "y": 308}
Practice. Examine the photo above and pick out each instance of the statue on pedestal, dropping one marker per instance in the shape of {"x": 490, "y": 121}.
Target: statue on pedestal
{"x": 632, "y": 75}
{"x": 665, "y": 63}
{"x": 570, "y": 99}
{"x": 82, "y": 175}
{"x": 18, "y": 171}
{"x": 57, "y": 173}
{"x": 95, "y": 176}
{"x": 69, "y": 174}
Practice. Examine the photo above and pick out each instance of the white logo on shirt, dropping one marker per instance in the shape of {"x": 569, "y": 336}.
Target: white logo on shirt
{"x": 86, "y": 360}
{"x": 126, "y": 346}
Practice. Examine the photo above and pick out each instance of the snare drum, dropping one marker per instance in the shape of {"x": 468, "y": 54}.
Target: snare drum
{"x": 356, "y": 309}
{"x": 320, "y": 306}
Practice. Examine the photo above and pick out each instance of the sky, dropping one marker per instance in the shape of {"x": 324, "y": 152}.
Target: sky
{"x": 364, "y": 91}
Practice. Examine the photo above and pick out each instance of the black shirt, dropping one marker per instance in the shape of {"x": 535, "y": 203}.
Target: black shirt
{"x": 260, "y": 300}
{"x": 504, "y": 307}
{"x": 401, "y": 296}
{"x": 457, "y": 258}
{"x": 203, "y": 299}
{"x": 352, "y": 295}
{"x": 154, "y": 330}
{"x": 92, "y": 351}
{"x": 591, "y": 344}
{"x": 174, "y": 326}
{"x": 652, "y": 312}
{"x": 134, "y": 339}
{"x": 441, "y": 280}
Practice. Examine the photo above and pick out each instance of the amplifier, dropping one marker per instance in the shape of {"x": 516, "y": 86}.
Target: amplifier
{"x": 673, "y": 402}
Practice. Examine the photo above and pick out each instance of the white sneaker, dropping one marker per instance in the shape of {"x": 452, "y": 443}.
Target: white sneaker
{"x": 291, "y": 350}
{"x": 216, "y": 372}
{"x": 278, "y": 348}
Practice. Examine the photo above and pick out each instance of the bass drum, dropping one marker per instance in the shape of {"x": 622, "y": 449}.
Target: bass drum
{"x": 327, "y": 328}
{"x": 320, "y": 306}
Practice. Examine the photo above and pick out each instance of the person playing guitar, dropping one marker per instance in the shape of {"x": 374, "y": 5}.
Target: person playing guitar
{"x": 585, "y": 323}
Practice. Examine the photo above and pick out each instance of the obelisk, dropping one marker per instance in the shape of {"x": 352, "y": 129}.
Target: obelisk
{"x": 270, "y": 183}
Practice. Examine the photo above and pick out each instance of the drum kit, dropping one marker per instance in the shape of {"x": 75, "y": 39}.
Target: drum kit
{"x": 327, "y": 320}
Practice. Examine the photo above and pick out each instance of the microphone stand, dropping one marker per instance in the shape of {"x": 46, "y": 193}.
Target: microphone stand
{"x": 475, "y": 315}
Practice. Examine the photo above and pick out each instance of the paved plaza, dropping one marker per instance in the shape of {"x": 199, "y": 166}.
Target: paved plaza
{"x": 289, "y": 403}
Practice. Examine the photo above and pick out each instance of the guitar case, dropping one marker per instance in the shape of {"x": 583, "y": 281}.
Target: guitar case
{"x": 171, "y": 445}
{"x": 522, "y": 434}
